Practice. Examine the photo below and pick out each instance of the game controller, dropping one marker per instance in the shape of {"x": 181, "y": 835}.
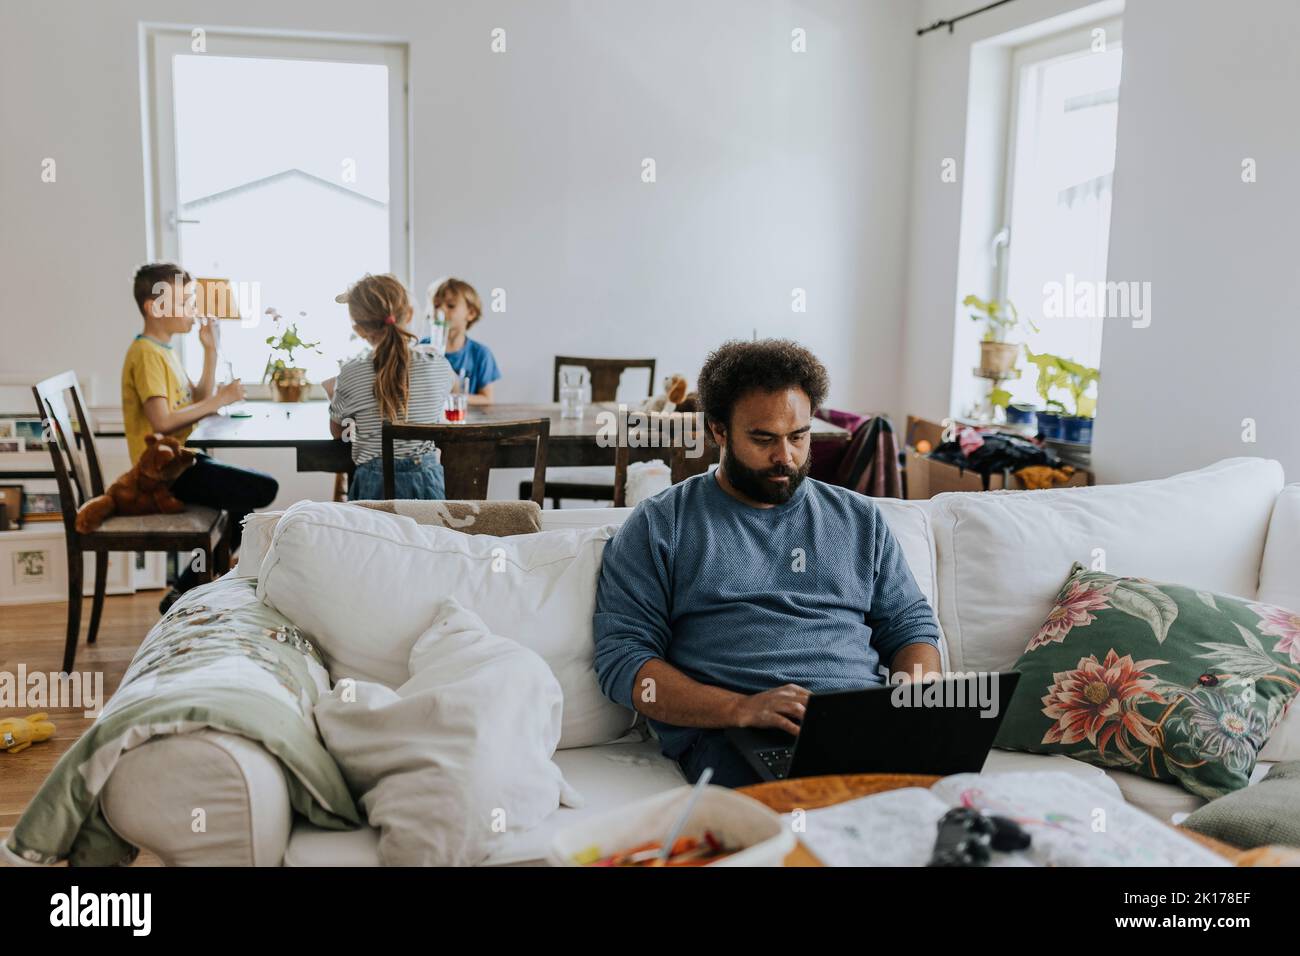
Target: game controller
{"x": 968, "y": 838}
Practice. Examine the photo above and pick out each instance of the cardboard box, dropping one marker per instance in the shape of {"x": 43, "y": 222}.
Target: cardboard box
{"x": 927, "y": 478}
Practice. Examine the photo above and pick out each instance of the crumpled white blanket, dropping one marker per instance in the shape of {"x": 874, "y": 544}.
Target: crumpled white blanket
{"x": 459, "y": 755}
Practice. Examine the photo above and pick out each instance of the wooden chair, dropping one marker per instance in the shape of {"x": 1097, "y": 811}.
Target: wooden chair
{"x": 468, "y": 452}
{"x": 592, "y": 483}
{"x": 58, "y": 399}
{"x": 673, "y": 426}
{"x": 605, "y": 375}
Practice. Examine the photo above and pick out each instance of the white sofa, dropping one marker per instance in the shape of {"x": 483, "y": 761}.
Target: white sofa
{"x": 989, "y": 563}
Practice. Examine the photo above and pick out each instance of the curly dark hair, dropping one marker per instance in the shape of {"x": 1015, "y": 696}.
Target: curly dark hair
{"x": 737, "y": 367}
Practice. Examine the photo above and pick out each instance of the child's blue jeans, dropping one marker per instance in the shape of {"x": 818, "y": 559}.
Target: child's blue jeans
{"x": 419, "y": 477}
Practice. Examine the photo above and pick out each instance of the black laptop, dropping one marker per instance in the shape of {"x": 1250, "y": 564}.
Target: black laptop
{"x": 934, "y": 727}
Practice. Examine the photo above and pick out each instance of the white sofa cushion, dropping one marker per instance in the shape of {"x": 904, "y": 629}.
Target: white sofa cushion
{"x": 366, "y": 584}
{"x": 151, "y": 798}
{"x": 1002, "y": 556}
{"x": 1279, "y": 584}
{"x": 608, "y": 777}
{"x": 1279, "y": 573}
{"x": 447, "y": 760}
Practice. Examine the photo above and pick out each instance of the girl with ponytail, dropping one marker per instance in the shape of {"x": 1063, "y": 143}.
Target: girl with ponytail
{"x": 391, "y": 382}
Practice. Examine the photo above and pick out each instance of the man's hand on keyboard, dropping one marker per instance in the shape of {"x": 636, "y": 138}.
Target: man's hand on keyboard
{"x": 781, "y": 708}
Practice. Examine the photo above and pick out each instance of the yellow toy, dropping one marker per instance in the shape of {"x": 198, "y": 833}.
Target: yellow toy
{"x": 1041, "y": 476}
{"x": 19, "y": 733}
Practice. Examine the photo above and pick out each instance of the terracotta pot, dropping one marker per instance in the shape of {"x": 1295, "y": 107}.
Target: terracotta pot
{"x": 290, "y": 385}
{"x": 998, "y": 356}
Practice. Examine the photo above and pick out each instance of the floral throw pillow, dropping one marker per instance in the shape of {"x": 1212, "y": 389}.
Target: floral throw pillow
{"x": 1161, "y": 680}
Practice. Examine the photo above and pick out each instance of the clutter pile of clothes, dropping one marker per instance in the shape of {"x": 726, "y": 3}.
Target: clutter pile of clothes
{"x": 987, "y": 451}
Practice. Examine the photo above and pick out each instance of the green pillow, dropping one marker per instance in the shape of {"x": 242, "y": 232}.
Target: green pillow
{"x": 1164, "y": 681}
{"x": 1267, "y": 813}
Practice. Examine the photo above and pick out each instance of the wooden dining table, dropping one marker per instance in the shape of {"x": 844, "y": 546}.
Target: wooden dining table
{"x": 304, "y": 427}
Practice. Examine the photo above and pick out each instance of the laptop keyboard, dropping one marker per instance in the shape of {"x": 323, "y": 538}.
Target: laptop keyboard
{"x": 777, "y": 760}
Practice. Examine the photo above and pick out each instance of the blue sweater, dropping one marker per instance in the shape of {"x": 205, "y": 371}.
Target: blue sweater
{"x": 814, "y": 592}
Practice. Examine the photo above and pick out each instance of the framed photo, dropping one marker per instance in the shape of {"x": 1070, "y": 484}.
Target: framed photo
{"x": 10, "y": 446}
{"x": 32, "y": 432}
{"x": 33, "y": 566}
{"x": 7, "y": 428}
{"x": 12, "y": 496}
{"x": 42, "y": 506}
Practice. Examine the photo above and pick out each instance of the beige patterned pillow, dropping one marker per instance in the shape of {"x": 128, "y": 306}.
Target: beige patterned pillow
{"x": 498, "y": 518}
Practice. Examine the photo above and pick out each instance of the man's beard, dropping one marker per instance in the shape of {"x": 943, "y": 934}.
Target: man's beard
{"x": 755, "y": 483}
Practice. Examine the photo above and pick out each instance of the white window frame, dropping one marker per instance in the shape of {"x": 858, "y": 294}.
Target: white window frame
{"x": 1057, "y": 46}
{"x": 161, "y": 42}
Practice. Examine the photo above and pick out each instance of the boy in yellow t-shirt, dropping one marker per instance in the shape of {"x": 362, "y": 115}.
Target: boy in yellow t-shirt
{"x": 157, "y": 396}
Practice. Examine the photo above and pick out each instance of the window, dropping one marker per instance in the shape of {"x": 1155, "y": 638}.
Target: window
{"x": 1061, "y": 161}
{"x": 280, "y": 166}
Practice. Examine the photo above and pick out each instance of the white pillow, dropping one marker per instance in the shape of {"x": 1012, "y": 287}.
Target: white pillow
{"x": 366, "y": 584}
{"x": 258, "y": 528}
{"x": 1003, "y": 555}
{"x": 447, "y": 765}
{"x": 1279, "y": 573}
{"x": 1279, "y": 584}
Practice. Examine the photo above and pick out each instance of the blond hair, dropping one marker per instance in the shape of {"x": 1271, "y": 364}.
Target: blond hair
{"x": 379, "y": 305}
{"x": 459, "y": 287}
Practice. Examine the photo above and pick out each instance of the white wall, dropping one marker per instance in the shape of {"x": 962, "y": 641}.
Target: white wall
{"x": 775, "y": 170}
{"x": 1201, "y": 92}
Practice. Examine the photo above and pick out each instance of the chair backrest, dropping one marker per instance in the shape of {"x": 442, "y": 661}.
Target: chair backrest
{"x": 605, "y": 375}
{"x": 682, "y": 434}
{"x": 70, "y": 437}
{"x": 468, "y": 452}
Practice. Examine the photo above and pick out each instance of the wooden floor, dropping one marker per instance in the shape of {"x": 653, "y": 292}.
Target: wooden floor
{"x": 33, "y": 635}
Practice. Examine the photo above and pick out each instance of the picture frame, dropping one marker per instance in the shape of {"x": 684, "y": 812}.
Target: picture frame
{"x": 32, "y": 432}
{"x": 12, "y": 496}
{"x": 12, "y": 446}
{"x": 42, "y": 506}
{"x": 33, "y": 566}
{"x": 8, "y": 428}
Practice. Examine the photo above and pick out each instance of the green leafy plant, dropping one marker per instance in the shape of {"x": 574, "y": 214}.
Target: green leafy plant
{"x": 1057, "y": 372}
{"x": 1000, "y": 318}
{"x": 287, "y": 341}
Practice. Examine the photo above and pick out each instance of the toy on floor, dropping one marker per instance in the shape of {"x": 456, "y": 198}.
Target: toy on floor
{"x": 144, "y": 489}
{"x": 19, "y": 733}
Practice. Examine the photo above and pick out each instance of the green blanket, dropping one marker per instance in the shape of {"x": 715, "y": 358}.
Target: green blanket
{"x": 222, "y": 660}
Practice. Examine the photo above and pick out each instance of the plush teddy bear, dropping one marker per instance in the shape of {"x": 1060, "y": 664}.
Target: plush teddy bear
{"x": 674, "y": 391}
{"x": 19, "y": 733}
{"x": 144, "y": 489}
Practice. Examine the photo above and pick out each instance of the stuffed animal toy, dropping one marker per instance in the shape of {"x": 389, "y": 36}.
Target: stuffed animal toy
{"x": 19, "y": 733}
{"x": 674, "y": 392}
{"x": 144, "y": 489}
{"x": 1041, "y": 476}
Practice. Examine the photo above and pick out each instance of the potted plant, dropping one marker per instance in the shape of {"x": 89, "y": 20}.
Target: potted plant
{"x": 997, "y": 355}
{"x": 1076, "y": 378}
{"x": 288, "y": 382}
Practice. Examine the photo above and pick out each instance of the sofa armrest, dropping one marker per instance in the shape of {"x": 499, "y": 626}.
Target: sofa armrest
{"x": 154, "y": 797}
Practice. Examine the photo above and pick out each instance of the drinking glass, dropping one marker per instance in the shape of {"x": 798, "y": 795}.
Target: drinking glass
{"x": 573, "y": 392}
{"x": 455, "y": 408}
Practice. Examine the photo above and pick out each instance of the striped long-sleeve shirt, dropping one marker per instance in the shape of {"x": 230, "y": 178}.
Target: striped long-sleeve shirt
{"x": 429, "y": 381}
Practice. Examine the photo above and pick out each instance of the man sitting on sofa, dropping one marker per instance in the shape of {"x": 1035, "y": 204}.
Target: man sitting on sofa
{"x": 728, "y": 599}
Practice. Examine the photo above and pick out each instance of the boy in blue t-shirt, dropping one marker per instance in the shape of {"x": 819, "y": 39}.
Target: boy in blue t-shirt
{"x": 472, "y": 361}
